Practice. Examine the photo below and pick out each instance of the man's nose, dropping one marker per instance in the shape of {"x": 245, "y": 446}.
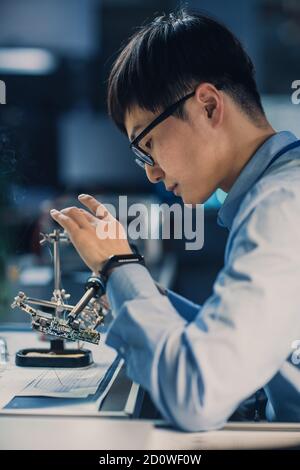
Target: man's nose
{"x": 154, "y": 173}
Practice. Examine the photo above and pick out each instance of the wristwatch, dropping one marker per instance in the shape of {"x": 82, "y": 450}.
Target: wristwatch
{"x": 119, "y": 260}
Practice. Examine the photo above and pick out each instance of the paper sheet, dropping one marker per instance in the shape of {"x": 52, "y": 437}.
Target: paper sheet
{"x": 78, "y": 383}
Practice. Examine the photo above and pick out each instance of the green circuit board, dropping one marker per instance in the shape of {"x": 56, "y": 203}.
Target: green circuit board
{"x": 60, "y": 328}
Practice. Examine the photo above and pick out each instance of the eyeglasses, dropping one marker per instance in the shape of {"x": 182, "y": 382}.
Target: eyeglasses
{"x": 141, "y": 156}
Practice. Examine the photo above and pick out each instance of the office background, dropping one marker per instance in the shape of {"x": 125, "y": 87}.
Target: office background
{"x": 57, "y": 141}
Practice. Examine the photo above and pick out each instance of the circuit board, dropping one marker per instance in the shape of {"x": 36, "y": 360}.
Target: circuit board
{"x": 51, "y": 325}
{"x": 60, "y": 328}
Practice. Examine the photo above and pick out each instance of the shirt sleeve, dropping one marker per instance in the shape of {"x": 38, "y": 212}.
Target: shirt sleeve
{"x": 198, "y": 372}
{"x": 136, "y": 280}
{"x": 185, "y": 307}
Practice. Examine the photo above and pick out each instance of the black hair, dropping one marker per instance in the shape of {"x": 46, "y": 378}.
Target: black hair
{"x": 165, "y": 59}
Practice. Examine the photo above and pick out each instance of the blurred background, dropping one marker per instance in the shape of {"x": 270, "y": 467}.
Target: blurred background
{"x": 56, "y": 140}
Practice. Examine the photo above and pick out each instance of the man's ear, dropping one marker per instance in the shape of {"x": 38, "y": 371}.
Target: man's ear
{"x": 209, "y": 108}
{"x": 212, "y": 101}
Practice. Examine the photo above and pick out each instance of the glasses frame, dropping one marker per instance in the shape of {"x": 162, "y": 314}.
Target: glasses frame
{"x": 143, "y": 157}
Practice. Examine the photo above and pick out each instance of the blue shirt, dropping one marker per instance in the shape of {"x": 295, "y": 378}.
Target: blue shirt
{"x": 200, "y": 362}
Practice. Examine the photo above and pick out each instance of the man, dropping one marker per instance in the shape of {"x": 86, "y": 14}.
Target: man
{"x": 192, "y": 76}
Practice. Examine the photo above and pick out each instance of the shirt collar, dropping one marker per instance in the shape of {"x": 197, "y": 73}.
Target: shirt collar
{"x": 250, "y": 173}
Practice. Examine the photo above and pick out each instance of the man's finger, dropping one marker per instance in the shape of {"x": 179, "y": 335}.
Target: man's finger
{"x": 77, "y": 216}
{"x": 95, "y": 206}
{"x": 66, "y": 222}
{"x": 90, "y": 217}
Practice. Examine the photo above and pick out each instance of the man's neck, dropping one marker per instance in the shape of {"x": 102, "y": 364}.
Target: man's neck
{"x": 247, "y": 142}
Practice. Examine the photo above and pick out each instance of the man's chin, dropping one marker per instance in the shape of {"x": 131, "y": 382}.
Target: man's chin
{"x": 197, "y": 198}
{"x": 192, "y": 201}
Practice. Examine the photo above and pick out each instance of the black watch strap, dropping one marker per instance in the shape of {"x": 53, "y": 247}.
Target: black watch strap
{"x": 119, "y": 260}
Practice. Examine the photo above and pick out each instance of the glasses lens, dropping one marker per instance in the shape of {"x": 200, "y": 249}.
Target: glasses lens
{"x": 140, "y": 163}
{"x": 142, "y": 157}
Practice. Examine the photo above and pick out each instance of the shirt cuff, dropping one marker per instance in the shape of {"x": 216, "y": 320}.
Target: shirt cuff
{"x": 128, "y": 282}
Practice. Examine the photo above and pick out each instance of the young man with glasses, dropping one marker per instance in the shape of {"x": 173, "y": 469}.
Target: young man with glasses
{"x": 183, "y": 90}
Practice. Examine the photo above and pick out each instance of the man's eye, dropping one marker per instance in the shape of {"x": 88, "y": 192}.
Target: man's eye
{"x": 148, "y": 144}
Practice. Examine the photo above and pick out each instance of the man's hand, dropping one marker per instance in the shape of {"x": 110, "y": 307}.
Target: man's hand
{"x": 97, "y": 235}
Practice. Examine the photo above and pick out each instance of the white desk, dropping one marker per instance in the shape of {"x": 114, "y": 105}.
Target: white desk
{"x": 123, "y": 399}
{"x": 60, "y": 433}
{"x": 233, "y": 436}
{"x": 46, "y": 432}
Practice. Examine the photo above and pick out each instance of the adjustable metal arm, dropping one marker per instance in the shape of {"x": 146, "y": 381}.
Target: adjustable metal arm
{"x": 83, "y": 318}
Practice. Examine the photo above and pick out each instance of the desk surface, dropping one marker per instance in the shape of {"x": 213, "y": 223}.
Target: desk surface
{"x": 46, "y": 432}
{"x": 123, "y": 397}
{"x": 234, "y": 436}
